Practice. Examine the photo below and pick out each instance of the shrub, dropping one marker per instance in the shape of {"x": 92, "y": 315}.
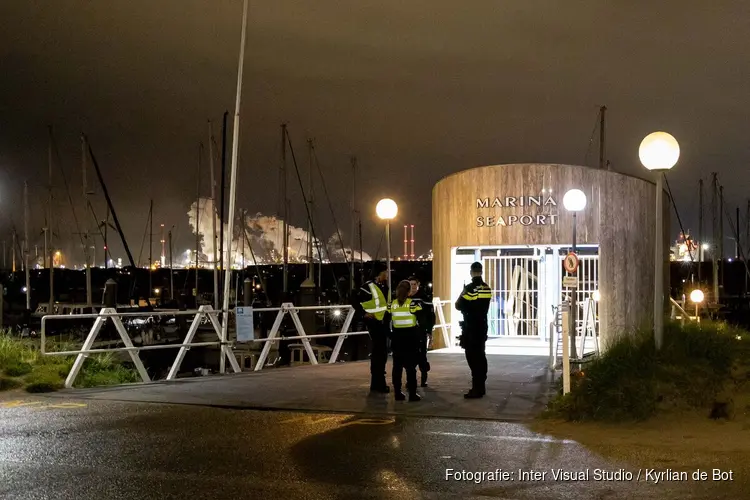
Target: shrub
{"x": 8, "y": 383}
{"x": 632, "y": 380}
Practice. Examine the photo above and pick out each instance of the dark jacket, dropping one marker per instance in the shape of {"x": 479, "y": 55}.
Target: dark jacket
{"x": 474, "y": 303}
{"x": 426, "y": 316}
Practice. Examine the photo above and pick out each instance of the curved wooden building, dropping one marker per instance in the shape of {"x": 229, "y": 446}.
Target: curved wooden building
{"x": 511, "y": 218}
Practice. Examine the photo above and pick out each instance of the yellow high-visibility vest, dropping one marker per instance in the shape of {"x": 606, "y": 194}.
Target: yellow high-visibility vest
{"x": 377, "y": 306}
{"x": 404, "y": 315}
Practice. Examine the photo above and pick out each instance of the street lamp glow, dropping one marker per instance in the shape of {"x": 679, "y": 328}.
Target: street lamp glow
{"x": 696, "y": 296}
{"x": 659, "y": 151}
{"x": 386, "y": 209}
{"x": 574, "y": 200}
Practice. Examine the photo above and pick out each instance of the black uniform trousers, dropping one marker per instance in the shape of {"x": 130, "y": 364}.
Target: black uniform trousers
{"x": 424, "y": 365}
{"x": 378, "y": 352}
{"x": 473, "y": 340}
{"x": 405, "y": 343}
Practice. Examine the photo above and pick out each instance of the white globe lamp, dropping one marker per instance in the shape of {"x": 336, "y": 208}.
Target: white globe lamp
{"x": 387, "y": 209}
{"x": 659, "y": 151}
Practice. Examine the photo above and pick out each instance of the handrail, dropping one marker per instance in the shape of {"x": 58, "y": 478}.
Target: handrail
{"x": 208, "y": 314}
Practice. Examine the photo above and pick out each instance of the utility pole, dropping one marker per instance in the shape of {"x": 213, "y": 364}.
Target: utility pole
{"x": 602, "y": 138}
{"x": 48, "y": 251}
{"x": 150, "y": 249}
{"x": 700, "y": 228}
{"x": 225, "y": 351}
{"x": 352, "y": 210}
{"x": 213, "y": 214}
{"x": 87, "y": 257}
{"x": 26, "y": 243}
{"x": 284, "y": 200}
{"x": 715, "y": 226}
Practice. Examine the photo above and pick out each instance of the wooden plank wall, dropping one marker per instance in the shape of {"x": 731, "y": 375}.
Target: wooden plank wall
{"x": 619, "y": 216}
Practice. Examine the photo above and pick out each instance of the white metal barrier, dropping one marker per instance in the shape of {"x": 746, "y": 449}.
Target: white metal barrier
{"x": 116, "y": 318}
{"x": 440, "y": 322}
{"x": 205, "y": 315}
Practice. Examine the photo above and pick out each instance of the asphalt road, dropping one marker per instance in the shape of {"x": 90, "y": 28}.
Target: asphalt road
{"x": 76, "y": 449}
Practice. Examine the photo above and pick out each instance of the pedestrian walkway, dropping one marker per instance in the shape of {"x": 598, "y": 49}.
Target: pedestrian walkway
{"x": 517, "y": 389}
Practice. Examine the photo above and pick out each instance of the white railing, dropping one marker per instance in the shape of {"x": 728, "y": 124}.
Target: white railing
{"x": 111, "y": 314}
{"x": 440, "y": 322}
{"x": 678, "y": 312}
{"x": 206, "y": 315}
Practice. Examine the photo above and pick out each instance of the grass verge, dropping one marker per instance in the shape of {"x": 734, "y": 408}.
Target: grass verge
{"x": 23, "y": 366}
{"x": 701, "y": 367}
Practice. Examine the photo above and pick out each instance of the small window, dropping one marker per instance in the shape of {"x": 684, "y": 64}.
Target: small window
{"x": 465, "y": 251}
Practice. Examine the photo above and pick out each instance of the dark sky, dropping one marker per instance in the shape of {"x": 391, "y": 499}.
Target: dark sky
{"x": 417, "y": 90}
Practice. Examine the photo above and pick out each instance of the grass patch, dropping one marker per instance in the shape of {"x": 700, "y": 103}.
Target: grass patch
{"x": 23, "y": 365}
{"x": 698, "y": 366}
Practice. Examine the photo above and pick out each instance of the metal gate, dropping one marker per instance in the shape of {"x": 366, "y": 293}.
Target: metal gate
{"x": 586, "y": 298}
{"x": 515, "y": 285}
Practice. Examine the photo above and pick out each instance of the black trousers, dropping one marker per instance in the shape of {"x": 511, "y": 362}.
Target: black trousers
{"x": 473, "y": 341}
{"x": 405, "y": 342}
{"x": 378, "y": 352}
{"x": 424, "y": 365}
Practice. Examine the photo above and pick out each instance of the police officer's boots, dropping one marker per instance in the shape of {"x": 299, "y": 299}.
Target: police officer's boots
{"x": 413, "y": 396}
{"x": 400, "y": 396}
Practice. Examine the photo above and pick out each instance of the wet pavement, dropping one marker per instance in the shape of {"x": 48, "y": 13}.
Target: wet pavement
{"x": 518, "y": 387}
{"x": 92, "y": 449}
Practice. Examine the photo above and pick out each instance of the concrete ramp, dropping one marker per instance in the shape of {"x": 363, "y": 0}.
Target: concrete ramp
{"x": 518, "y": 387}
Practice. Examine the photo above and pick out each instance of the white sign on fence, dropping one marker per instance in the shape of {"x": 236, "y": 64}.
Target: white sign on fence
{"x": 245, "y": 328}
{"x": 570, "y": 281}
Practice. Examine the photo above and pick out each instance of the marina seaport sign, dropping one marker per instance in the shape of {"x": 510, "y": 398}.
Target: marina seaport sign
{"x": 515, "y": 202}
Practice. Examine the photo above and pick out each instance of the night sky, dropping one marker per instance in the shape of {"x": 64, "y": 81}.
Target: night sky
{"x": 416, "y": 90}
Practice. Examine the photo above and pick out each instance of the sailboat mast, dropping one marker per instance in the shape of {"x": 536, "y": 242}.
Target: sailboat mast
{"x": 310, "y": 257}
{"x": 700, "y": 228}
{"x": 353, "y": 220}
{"x": 48, "y": 252}
{"x": 284, "y": 198}
{"x": 150, "y": 248}
{"x": 213, "y": 213}
{"x": 14, "y": 250}
{"x": 602, "y": 137}
{"x": 197, "y": 220}
{"x": 26, "y": 242}
{"x": 84, "y": 152}
{"x": 233, "y": 194}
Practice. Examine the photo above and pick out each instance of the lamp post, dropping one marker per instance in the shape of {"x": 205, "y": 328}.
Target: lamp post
{"x": 387, "y": 210}
{"x": 696, "y": 297}
{"x": 659, "y": 151}
{"x": 574, "y": 201}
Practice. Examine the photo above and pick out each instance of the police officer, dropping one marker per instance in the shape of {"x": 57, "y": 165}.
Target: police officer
{"x": 426, "y": 323}
{"x": 405, "y": 335}
{"x": 372, "y": 304}
{"x": 474, "y": 303}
